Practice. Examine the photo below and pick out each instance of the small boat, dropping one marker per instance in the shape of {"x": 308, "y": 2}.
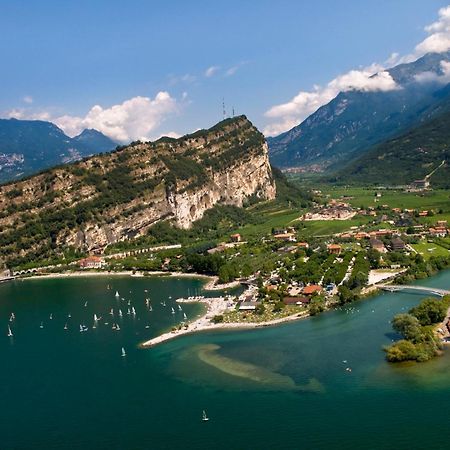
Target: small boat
{"x": 96, "y": 318}
{"x": 42, "y": 325}
{"x": 10, "y": 334}
{"x": 113, "y": 326}
{"x": 133, "y": 311}
{"x": 85, "y": 304}
{"x": 111, "y": 311}
{"x": 128, "y": 311}
{"x": 129, "y": 302}
{"x": 51, "y": 317}
{"x": 81, "y": 328}
{"x": 173, "y": 311}
{"x": 12, "y": 317}
{"x": 205, "y": 418}
{"x": 164, "y": 304}
{"x": 170, "y": 297}
{"x": 65, "y": 326}
{"x": 117, "y": 294}
{"x": 117, "y": 327}
{"x": 150, "y": 308}
{"x": 120, "y": 313}
{"x": 69, "y": 316}
{"x": 124, "y": 353}
{"x": 147, "y": 326}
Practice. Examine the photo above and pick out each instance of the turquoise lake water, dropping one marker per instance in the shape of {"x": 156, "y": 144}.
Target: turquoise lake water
{"x": 285, "y": 387}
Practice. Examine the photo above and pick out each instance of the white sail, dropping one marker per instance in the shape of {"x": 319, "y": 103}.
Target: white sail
{"x": 124, "y": 352}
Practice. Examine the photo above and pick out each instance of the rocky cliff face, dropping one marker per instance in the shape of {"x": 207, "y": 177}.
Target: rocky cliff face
{"x": 117, "y": 196}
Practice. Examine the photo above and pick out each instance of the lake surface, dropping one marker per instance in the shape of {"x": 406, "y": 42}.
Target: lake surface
{"x": 318, "y": 383}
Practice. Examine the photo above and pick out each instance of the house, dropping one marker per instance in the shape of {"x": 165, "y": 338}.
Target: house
{"x": 423, "y": 213}
{"x": 361, "y": 235}
{"x": 302, "y": 245}
{"x": 397, "y": 244}
{"x": 438, "y": 231}
{"x": 312, "y": 289}
{"x": 377, "y": 245}
{"x": 420, "y": 184}
{"x": 334, "y": 249}
{"x": 91, "y": 262}
{"x": 296, "y": 300}
{"x": 248, "y": 305}
{"x": 235, "y": 237}
{"x": 285, "y": 237}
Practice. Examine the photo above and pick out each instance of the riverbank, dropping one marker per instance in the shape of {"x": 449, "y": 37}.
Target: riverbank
{"x": 216, "y": 306}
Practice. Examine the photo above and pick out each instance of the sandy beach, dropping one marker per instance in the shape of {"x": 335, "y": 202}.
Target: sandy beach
{"x": 216, "y": 306}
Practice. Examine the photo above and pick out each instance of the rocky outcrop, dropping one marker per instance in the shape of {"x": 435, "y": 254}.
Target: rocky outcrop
{"x": 118, "y": 196}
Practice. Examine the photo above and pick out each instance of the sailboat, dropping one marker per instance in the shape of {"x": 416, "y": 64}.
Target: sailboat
{"x": 133, "y": 311}
{"x": 96, "y": 318}
{"x": 205, "y": 418}
{"x": 117, "y": 294}
{"x": 180, "y": 308}
{"x": 164, "y": 304}
{"x": 120, "y": 313}
{"x": 112, "y": 311}
{"x": 12, "y": 317}
{"x": 42, "y": 325}
{"x": 9, "y": 331}
{"x": 128, "y": 311}
{"x": 117, "y": 327}
{"x": 124, "y": 353}
{"x": 114, "y": 326}
{"x": 85, "y": 304}
{"x": 65, "y": 326}
{"x": 81, "y": 328}
{"x": 51, "y": 317}
{"x": 184, "y": 316}
{"x": 173, "y": 311}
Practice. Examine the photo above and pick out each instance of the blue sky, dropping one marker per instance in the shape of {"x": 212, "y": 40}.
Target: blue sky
{"x": 138, "y": 69}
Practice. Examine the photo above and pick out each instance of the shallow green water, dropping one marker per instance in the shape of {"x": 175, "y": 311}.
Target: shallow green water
{"x": 286, "y": 387}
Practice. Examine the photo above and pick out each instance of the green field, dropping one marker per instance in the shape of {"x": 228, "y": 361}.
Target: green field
{"x": 429, "y": 249}
{"x": 364, "y": 197}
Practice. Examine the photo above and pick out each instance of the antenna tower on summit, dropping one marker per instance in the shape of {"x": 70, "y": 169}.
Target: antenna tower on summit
{"x": 224, "y": 113}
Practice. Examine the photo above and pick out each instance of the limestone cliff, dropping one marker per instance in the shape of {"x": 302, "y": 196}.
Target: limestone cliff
{"x": 119, "y": 195}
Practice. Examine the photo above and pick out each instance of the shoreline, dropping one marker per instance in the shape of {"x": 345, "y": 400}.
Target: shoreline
{"x": 215, "y": 306}
{"x": 211, "y": 281}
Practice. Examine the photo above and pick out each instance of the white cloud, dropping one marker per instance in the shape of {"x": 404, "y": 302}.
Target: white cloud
{"x": 210, "y": 71}
{"x": 133, "y": 119}
{"x": 438, "y": 40}
{"x": 443, "y": 77}
{"x": 28, "y": 99}
{"x": 26, "y": 114}
{"x": 187, "y": 78}
{"x": 305, "y": 103}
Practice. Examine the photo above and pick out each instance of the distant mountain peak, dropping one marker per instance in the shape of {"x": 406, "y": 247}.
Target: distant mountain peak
{"x": 28, "y": 146}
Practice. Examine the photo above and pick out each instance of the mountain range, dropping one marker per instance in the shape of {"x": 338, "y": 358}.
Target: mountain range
{"x": 29, "y": 146}
{"x": 355, "y": 121}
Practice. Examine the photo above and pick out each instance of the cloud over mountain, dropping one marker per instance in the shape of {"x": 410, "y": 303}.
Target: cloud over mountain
{"x": 373, "y": 78}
